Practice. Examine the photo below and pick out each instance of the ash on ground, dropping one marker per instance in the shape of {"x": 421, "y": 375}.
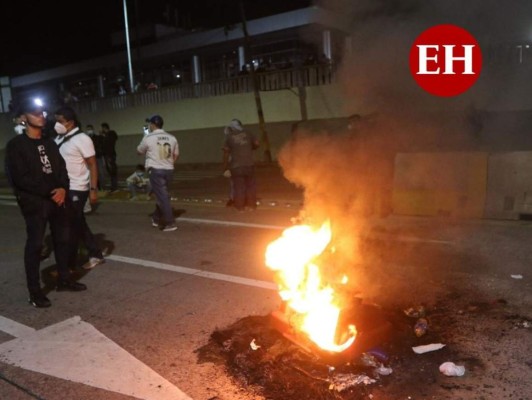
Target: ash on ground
{"x": 264, "y": 362}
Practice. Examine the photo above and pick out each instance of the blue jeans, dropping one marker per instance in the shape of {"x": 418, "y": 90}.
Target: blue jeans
{"x": 133, "y": 188}
{"x": 160, "y": 181}
{"x": 244, "y": 187}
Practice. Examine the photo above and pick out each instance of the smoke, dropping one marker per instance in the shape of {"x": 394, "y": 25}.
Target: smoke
{"x": 347, "y": 174}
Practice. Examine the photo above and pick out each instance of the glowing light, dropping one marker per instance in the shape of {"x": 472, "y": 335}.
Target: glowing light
{"x": 293, "y": 258}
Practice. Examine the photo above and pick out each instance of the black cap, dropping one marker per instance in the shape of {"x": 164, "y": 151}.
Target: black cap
{"x": 28, "y": 105}
{"x": 157, "y": 120}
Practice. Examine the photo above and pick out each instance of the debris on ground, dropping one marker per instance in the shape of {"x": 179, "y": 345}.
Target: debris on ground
{"x": 415, "y": 312}
{"x": 421, "y": 326}
{"x": 451, "y": 369}
{"x": 281, "y": 369}
{"x": 342, "y": 382}
{"x": 253, "y": 345}
{"x": 428, "y": 347}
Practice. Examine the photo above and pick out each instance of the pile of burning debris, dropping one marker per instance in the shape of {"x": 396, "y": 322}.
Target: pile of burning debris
{"x": 321, "y": 343}
{"x": 266, "y": 356}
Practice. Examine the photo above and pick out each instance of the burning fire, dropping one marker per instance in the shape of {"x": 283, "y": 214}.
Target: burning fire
{"x": 293, "y": 258}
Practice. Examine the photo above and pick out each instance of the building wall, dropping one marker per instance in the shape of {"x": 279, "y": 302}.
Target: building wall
{"x": 198, "y": 123}
{"x": 482, "y": 184}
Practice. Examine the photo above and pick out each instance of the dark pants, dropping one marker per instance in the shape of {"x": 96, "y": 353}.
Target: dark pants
{"x": 244, "y": 187}
{"x": 36, "y": 223}
{"x": 80, "y": 231}
{"x": 101, "y": 172}
{"x": 160, "y": 180}
{"x": 112, "y": 170}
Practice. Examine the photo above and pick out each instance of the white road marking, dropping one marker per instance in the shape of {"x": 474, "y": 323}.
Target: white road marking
{"x": 97, "y": 360}
{"x": 229, "y": 223}
{"x": 398, "y": 238}
{"x": 415, "y": 239}
{"x": 74, "y": 350}
{"x": 195, "y": 272}
{"x": 14, "y": 328}
{"x": 401, "y": 238}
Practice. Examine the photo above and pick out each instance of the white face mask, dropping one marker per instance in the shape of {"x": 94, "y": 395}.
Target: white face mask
{"x": 146, "y": 130}
{"x": 90, "y": 132}
{"x": 19, "y": 129}
{"x": 60, "y": 128}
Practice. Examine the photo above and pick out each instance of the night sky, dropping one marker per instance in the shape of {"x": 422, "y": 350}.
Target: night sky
{"x": 36, "y": 35}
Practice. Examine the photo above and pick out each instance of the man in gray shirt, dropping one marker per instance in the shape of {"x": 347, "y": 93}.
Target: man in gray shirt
{"x": 161, "y": 151}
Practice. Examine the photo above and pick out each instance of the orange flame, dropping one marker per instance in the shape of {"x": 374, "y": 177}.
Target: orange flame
{"x": 292, "y": 257}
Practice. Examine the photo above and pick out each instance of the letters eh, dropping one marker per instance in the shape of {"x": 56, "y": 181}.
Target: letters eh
{"x": 429, "y": 53}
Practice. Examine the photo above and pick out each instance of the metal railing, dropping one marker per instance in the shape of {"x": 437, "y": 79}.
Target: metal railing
{"x": 272, "y": 80}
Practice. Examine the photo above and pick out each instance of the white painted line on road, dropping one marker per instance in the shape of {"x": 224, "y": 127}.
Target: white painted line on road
{"x": 195, "y": 272}
{"x": 414, "y": 239}
{"x": 398, "y": 238}
{"x": 14, "y": 328}
{"x": 75, "y": 350}
{"x": 230, "y": 223}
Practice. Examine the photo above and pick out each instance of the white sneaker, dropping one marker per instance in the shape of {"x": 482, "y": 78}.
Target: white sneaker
{"x": 93, "y": 261}
{"x": 169, "y": 228}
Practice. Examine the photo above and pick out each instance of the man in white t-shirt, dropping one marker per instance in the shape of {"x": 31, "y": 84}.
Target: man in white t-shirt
{"x": 77, "y": 149}
{"x": 161, "y": 151}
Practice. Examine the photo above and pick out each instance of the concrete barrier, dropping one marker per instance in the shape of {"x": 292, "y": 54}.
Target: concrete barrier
{"x": 509, "y": 188}
{"x": 440, "y": 184}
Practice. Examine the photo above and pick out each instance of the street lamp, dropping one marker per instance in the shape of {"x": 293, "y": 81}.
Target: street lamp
{"x": 130, "y": 66}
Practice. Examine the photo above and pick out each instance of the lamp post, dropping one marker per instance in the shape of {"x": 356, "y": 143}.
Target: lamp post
{"x": 130, "y": 66}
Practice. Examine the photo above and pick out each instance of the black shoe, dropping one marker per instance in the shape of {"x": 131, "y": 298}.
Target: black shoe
{"x": 39, "y": 300}
{"x": 67, "y": 286}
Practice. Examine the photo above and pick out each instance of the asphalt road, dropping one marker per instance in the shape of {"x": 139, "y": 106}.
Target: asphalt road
{"x": 135, "y": 332}
{"x": 159, "y": 316}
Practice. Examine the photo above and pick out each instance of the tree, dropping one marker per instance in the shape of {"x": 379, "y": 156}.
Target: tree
{"x": 265, "y": 141}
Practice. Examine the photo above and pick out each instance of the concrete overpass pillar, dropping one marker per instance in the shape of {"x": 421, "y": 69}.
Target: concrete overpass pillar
{"x": 196, "y": 67}
{"x": 241, "y": 57}
{"x": 326, "y": 40}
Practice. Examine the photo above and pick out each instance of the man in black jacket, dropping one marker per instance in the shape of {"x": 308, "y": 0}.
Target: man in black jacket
{"x": 38, "y": 176}
{"x": 109, "y": 154}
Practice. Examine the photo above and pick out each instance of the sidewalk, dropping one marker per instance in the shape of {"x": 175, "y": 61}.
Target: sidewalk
{"x": 205, "y": 184}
